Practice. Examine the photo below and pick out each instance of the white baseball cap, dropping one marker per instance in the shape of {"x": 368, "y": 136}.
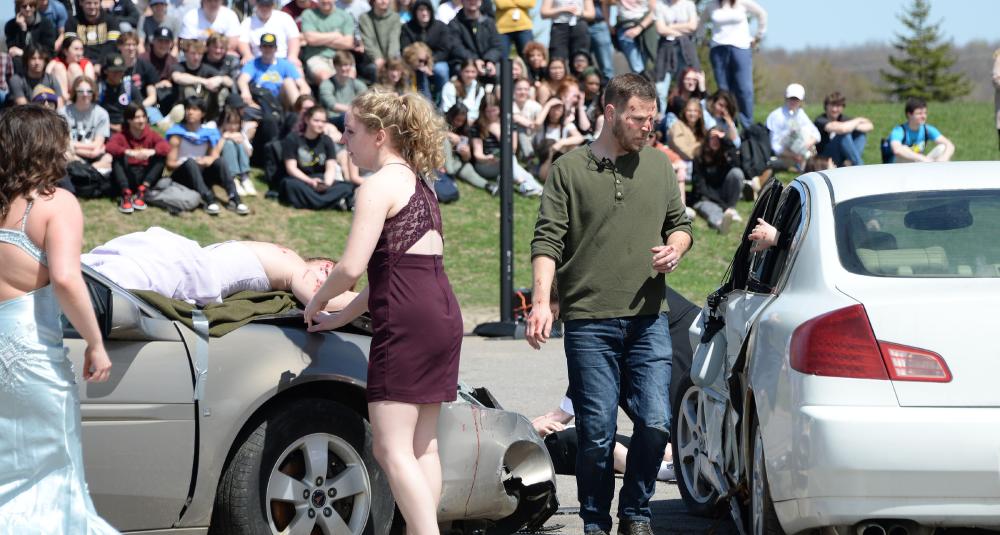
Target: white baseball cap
{"x": 795, "y": 91}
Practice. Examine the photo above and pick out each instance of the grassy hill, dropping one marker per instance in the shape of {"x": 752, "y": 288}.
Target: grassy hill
{"x": 471, "y": 225}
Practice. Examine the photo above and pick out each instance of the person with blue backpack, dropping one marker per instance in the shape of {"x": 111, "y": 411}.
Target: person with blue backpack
{"x": 908, "y": 141}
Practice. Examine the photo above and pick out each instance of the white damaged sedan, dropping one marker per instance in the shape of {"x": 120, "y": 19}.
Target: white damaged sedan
{"x": 847, "y": 377}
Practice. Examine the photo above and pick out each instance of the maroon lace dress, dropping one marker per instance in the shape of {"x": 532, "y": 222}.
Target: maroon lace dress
{"x": 415, "y": 317}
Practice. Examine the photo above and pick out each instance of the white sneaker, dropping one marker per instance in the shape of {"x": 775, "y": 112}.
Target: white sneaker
{"x": 249, "y": 188}
{"x": 666, "y": 472}
{"x": 736, "y": 215}
{"x": 727, "y": 221}
{"x": 213, "y": 209}
{"x": 239, "y": 187}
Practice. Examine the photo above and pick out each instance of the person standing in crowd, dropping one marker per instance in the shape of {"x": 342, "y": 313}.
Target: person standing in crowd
{"x": 514, "y": 24}
{"x": 44, "y": 488}
{"x": 793, "y": 135}
{"x": 55, "y": 12}
{"x": 423, "y": 27}
{"x": 634, "y": 18}
{"x": 600, "y": 40}
{"x": 313, "y": 180}
{"x": 570, "y": 33}
{"x": 475, "y": 37}
{"x": 194, "y": 157}
{"x": 29, "y": 27}
{"x": 909, "y": 140}
{"x": 97, "y": 28}
{"x": 397, "y": 233}
{"x": 139, "y": 156}
{"x": 612, "y": 222}
{"x": 842, "y": 138}
{"x": 89, "y": 126}
{"x": 325, "y": 31}
{"x": 731, "y": 50}
{"x": 676, "y": 22}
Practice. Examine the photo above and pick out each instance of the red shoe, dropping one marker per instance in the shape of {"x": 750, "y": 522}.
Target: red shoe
{"x": 139, "y": 199}
{"x": 126, "y": 205}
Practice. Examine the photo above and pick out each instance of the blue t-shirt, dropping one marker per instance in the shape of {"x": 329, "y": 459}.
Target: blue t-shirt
{"x": 270, "y": 77}
{"x": 56, "y": 12}
{"x": 193, "y": 144}
{"x": 916, "y": 140}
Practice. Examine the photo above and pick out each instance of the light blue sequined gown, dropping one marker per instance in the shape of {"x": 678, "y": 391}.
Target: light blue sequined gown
{"x": 42, "y": 485}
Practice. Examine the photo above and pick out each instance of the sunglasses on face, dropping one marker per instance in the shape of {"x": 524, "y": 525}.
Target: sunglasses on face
{"x": 84, "y": 91}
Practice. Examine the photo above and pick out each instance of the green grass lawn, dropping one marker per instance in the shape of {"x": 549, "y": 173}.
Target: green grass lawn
{"x": 472, "y": 225}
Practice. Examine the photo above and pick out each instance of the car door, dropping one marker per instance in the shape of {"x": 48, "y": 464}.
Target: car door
{"x": 139, "y": 427}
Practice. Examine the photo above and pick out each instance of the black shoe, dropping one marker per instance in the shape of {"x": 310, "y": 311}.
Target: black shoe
{"x": 634, "y": 527}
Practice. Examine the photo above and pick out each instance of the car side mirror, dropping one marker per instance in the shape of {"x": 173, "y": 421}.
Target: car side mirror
{"x": 129, "y": 323}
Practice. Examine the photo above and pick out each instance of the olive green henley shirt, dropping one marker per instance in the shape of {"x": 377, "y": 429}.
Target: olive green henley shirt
{"x": 599, "y": 223}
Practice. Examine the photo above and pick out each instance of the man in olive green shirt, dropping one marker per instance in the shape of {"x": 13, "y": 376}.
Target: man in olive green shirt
{"x": 613, "y": 223}
{"x": 325, "y": 30}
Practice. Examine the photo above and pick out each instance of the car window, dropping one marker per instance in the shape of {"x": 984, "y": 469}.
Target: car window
{"x": 921, "y": 235}
{"x": 768, "y": 265}
{"x": 737, "y": 275}
{"x": 100, "y": 298}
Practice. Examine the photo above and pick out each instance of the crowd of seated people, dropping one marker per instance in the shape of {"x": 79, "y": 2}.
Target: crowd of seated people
{"x": 203, "y": 92}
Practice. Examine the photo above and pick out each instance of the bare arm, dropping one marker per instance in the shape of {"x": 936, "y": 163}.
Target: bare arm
{"x": 540, "y": 321}
{"x": 173, "y": 156}
{"x": 63, "y": 242}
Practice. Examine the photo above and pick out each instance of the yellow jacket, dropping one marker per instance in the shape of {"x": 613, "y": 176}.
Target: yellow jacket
{"x": 512, "y": 15}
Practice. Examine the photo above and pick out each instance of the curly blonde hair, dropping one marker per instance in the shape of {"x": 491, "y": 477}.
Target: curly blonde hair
{"x": 413, "y": 125}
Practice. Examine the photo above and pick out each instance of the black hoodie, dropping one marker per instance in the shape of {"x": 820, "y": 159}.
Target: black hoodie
{"x": 436, "y": 35}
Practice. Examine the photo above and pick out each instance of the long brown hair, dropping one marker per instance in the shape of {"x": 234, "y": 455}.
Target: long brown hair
{"x": 489, "y": 99}
{"x": 33, "y": 144}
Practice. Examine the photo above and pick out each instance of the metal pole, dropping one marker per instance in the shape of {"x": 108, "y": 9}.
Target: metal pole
{"x": 506, "y": 191}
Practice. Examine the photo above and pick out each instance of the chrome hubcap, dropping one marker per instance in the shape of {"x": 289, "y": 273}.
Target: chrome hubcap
{"x": 691, "y": 446}
{"x": 318, "y": 486}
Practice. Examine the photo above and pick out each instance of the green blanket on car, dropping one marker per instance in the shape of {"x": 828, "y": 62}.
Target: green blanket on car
{"x": 232, "y": 313}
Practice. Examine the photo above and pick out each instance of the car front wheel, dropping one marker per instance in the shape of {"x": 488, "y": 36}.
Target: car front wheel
{"x": 306, "y": 468}
{"x": 689, "y": 448}
{"x": 763, "y": 519}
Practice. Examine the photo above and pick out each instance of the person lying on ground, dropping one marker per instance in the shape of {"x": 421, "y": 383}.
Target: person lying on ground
{"x": 172, "y": 265}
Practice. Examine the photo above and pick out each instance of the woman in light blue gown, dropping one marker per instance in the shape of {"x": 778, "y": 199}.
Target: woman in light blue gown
{"x": 42, "y": 484}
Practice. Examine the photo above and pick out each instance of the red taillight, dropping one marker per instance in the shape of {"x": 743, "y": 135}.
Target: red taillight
{"x": 913, "y": 364}
{"x": 838, "y": 344}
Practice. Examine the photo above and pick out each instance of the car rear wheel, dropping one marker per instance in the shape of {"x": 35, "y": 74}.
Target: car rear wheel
{"x": 689, "y": 449}
{"x": 307, "y": 468}
{"x": 763, "y": 519}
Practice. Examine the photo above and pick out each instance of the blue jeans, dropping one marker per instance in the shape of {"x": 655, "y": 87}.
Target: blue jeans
{"x": 601, "y": 47}
{"x": 846, "y": 147}
{"x": 520, "y": 40}
{"x": 612, "y": 361}
{"x": 153, "y": 114}
{"x": 662, "y": 90}
{"x": 237, "y": 160}
{"x": 441, "y": 74}
{"x": 630, "y": 47}
{"x": 733, "y": 68}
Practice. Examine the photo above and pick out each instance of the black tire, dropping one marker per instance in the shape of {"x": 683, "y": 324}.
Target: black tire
{"x": 763, "y": 519}
{"x": 699, "y": 499}
{"x": 242, "y": 505}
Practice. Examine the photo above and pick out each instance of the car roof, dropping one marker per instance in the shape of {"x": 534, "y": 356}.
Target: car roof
{"x": 864, "y": 180}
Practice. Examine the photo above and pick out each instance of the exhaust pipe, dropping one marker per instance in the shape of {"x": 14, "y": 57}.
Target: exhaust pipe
{"x": 898, "y": 529}
{"x": 870, "y": 529}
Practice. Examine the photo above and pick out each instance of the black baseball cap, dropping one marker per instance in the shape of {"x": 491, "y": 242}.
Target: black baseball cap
{"x": 269, "y": 39}
{"x": 163, "y": 32}
{"x": 114, "y": 63}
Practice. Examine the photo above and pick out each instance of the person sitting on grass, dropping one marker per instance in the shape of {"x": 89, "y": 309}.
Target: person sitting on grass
{"x": 113, "y": 94}
{"x": 89, "y": 126}
{"x": 237, "y": 148}
{"x": 717, "y": 181}
{"x": 195, "y": 151}
{"x": 139, "y": 156}
{"x": 793, "y": 135}
{"x": 70, "y": 64}
{"x": 842, "y": 138}
{"x": 313, "y": 179}
{"x": 909, "y": 140}
{"x": 272, "y": 75}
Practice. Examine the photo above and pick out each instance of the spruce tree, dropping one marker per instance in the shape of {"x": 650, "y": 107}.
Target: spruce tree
{"x": 922, "y": 67}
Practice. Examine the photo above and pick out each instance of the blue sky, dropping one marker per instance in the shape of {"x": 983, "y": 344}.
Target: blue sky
{"x": 797, "y": 24}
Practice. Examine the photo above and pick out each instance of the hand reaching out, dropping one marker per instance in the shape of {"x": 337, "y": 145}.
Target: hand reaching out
{"x": 763, "y": 235}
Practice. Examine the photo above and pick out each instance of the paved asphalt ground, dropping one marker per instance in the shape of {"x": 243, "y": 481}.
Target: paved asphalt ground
{"x": 532, "y": 383}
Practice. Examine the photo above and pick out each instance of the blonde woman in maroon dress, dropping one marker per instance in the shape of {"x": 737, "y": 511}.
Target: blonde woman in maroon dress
{"x": 396, "y": 236}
